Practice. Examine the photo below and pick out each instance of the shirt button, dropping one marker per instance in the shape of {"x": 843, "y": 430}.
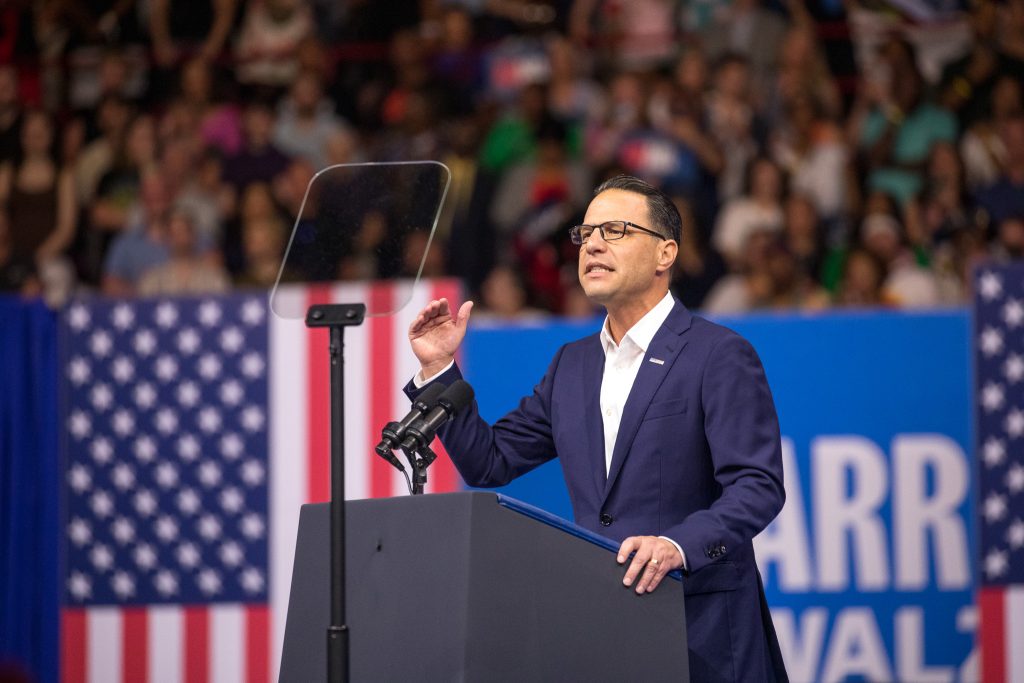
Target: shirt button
{"x": 608, "y": 412}
{"x": 606, "y": 519}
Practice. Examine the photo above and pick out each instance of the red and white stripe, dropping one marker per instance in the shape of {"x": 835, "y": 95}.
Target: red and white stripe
{"x": 1001, "y": 633}
{"x": 242, "y": 643}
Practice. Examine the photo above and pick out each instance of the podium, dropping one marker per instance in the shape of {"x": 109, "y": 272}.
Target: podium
{"x": 477, "y": 587}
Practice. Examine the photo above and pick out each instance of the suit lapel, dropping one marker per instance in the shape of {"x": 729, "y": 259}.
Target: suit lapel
{"x": 665, "y": 346}
{"x": 593, "y": 423}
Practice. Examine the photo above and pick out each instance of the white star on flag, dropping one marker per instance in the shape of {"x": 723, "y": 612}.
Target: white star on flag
{"x": 166, "y": 528}
{"x": 144, "y": 556}
{"x": 101, "y": 396}
{"x": 996, "y": 563}
{"x": 166, "y": 368}
{"x": 209, "y": 582}
{"x": 209, "y": 420}
{"x": 145, "y": 342}
{"x": 188, "y": 394}
{"x": 188, "y": 501}
{"x": 102, "y": 450}
{"x": 78, "y": 317}
{"x": 990, "y": 286}
{"x": 166, "y": 315}
{"x": 252, "y": 312}
{"x": 79, "y": 532}
{"x": 209, "y": 366}
{"x": 1013, "y": 368}
{"x": 231, "y": 392}
{"x": 1013, "y": 313}
{"x": 122, "y": 369}
{"x": 187, "y": 555}
{"x": 144, "y": 449}
{"x": 79, "y": 478}
{"x": 166, "y": 421}
{"x": 123, "y": 476}
{"x": 79, "y": 585}
{"x": 145, "y": 396}
{"x": 231, "y": 554}
{"x": 232, "y": 340}
{"x": 995, "y": 507}
{"x": 123, "y": 584}
{"x": 209, "y": 474}
{"x": 144, "y": 502}
{"x": 122, "y": 317}
{"x": 122, "y": 422}
{"x": 123, "y": 530}
{"x": 101, "y": 557}
{"x": 166, "y": 475}
{"x": 79, "y": 371}
{"x": 1015, "y": 534}
{"x": 1014, "y": 423}
{"x": 188, "y": 448}
{"x": 188, "y": 341}
{"x": 100, "y": 344}
{"x": 209, "y": 313}
{"x": 101, "y": 503}
{"x": 1015, "y": 478}
{"x": 166, "y": 583}
{"x": 231, "y": 446}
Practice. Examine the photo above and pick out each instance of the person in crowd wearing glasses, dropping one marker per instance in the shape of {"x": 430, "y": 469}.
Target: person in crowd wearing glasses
{"x": 663, "y": 423}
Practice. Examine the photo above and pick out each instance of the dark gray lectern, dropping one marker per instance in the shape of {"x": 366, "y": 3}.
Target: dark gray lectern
{"x": 477, "y": 587}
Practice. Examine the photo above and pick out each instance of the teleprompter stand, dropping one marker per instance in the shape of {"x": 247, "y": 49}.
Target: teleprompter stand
{"x": 336, "y": 317}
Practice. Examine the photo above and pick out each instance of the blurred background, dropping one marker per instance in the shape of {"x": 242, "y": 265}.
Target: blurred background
{"x": 851, "y": 181}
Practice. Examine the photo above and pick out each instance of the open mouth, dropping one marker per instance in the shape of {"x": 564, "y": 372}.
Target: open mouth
{"x": 598, "y": 268}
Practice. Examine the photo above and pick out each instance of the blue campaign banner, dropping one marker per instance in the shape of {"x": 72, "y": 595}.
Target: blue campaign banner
{"x": 869, "y": 567}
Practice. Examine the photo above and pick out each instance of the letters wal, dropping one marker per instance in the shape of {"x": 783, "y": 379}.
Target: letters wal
{"x": 868, "y": 568}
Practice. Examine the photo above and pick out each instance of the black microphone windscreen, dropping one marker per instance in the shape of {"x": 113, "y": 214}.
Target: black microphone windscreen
{"x": 458, "y": 394}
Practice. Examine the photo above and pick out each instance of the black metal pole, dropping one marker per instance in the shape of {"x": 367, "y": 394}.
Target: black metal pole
{"x": 337, "y": 632}
{"x": 336, "y": 317}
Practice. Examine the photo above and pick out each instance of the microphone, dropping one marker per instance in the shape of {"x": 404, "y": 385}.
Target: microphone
{"x": 394, "y": 432}
{"x": 421, "y": 432}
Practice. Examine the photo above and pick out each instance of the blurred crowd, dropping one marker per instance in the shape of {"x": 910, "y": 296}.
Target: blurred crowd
{"x": 821, "y": 155}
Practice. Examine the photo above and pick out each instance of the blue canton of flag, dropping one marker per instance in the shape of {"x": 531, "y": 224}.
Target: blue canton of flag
{"x": 999, "y": 325}
{"x": 166, "y": 471}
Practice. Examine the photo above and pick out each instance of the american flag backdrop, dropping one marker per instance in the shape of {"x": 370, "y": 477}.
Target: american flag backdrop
{"x": 999, "y": 377}
{"x": 193, "y": 430}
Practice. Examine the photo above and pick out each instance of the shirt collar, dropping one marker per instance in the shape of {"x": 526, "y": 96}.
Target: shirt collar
{"x": 644, "y": 330}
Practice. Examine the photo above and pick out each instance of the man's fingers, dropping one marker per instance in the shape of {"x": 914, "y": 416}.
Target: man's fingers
{"x": 463, "y": 319}
{"x": 628, "y": 546}
{"x": 649, "y": 574}
{"x": 640, "y": 560}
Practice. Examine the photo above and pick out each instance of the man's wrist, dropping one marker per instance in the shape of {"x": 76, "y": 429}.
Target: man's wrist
{"x": 428, "y": 373}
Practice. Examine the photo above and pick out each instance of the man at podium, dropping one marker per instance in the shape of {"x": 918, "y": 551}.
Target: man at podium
{"x": 663, "y": 423}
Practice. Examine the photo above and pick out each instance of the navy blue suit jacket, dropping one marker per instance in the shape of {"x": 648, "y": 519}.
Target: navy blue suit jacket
{"x": 697, "y": 459}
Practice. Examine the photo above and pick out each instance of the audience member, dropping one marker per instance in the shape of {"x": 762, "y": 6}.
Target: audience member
{"x": 185, "y": 271}
{"x": 306, "y": 121}
{"x": 759, "y": 208}
{"x": 38, "y": 197}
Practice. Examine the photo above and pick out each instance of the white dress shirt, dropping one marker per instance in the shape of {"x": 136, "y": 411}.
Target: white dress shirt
{"x": 621, "y": 364}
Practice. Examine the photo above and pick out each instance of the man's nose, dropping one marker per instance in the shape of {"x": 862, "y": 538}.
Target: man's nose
{"x": 596, "y": 242}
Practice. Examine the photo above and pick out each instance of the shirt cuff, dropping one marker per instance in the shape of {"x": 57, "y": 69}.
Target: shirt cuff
{"x": 681, "y": 553}
{"x": 420, "y": 383}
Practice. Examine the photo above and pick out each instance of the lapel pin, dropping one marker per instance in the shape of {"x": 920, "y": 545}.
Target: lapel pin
{"x": 658, "y": 361}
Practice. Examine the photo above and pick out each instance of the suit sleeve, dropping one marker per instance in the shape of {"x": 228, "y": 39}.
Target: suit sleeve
{"x": 742, "y": 431}
{"x": 489, "y": 456}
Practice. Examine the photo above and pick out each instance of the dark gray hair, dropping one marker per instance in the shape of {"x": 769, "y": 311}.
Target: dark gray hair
{"x": 664, "y": 214}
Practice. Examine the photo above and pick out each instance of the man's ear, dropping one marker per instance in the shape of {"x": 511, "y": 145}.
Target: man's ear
{"x": 667, "y": 253}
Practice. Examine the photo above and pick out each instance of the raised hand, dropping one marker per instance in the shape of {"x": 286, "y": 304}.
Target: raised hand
{"x": 435, "y": 335}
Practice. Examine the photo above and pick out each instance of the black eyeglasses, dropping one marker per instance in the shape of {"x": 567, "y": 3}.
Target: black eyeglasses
{"x": 610, "y": 231}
